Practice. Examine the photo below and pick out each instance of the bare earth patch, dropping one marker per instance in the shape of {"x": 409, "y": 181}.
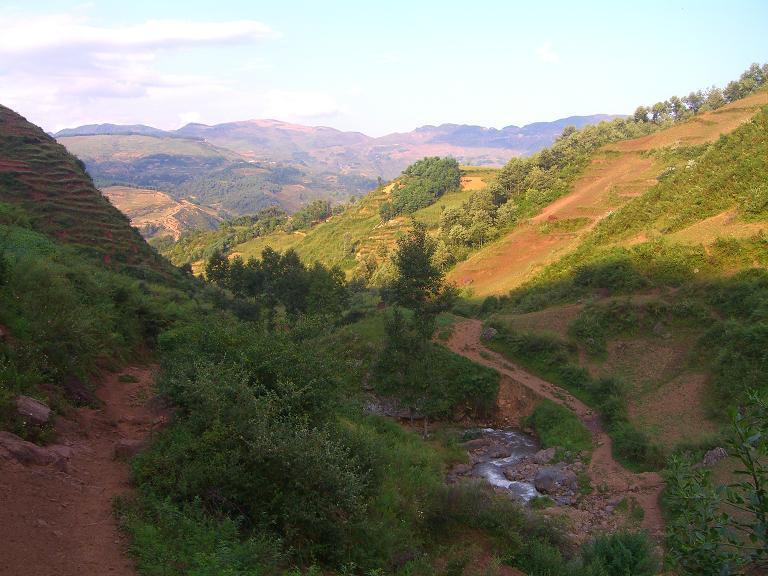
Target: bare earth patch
{"x": 60, "y": 522}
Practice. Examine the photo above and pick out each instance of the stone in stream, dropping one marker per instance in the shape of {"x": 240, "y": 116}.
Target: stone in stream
{"x": 32, "y": 410}
{"x": 544, "y": 456}
{"x": 477, "y": 443}
{"x": 556, "y": 478}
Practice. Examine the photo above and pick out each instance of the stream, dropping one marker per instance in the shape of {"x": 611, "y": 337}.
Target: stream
{"x": 504, "y": 448}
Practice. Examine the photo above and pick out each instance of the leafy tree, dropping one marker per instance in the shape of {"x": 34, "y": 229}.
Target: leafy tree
{"x": 715, "y": 529}
{"x": 217, "y": 268}
{"x": 419, "y": 284}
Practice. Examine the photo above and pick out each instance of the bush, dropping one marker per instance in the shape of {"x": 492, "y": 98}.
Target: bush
{"x": 622, "y": 554}
{"x": 556, "y": 425}
{"x": 634, "y": 449}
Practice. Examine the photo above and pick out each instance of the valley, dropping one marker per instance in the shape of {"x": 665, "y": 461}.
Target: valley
{"x": 262, "y": 347}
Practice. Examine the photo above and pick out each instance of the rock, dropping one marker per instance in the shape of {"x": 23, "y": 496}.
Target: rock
{"x": 461, "y": 469}
{"x": 497, "y": 453}
{"x": 29, "y": 453}
{"x": 556, "y": 478}
{"x": 714, "y": 456}
{"x": 544, "y": 456}
{"x": 477, "y": 443}
{"x": 489, "y": 333}
{"x": 126, "y": 448}
{"x": 32, "y": 410}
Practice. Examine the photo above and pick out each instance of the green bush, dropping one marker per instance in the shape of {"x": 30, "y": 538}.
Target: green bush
{"x": 622, "y": 554}
{"x": 556, "y": 425}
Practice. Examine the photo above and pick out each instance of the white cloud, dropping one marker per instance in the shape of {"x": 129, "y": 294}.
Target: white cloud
{"x": 70, "y": 70}
{"x": 546, "y": 53}
{"x": 63, "y": 31}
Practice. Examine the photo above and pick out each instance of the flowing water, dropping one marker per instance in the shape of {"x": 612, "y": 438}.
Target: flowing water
{"x": 517, "y": 445}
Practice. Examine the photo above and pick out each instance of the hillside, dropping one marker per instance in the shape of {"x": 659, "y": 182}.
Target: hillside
{"x": 157, "y": 214}
{"x": 197, "y": 171}
{"x": 618, "y": 173}
{"x": 55, "y": 192}
{"x": 357, "y": 240}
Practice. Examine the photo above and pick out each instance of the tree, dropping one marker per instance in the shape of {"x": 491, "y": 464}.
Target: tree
{"x": 217, "y": 268}
{"x": 641, "y": 114}
{"x": 419, "y": 284}
{"x": 694, "y": 101}
{"x": 715, "y": 529}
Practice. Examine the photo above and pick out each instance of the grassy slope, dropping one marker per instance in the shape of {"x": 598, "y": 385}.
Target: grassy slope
{"x": 618, "y": 173}
{"x": 344, "y": 239}
{"x": 706, "y": 218}
{"x": 39, "y": 174}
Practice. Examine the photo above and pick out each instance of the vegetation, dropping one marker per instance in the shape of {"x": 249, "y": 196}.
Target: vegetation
{"x": 722, "y": 529}
{"x": 421, "y": 184}
{"x": 201, "y": 245}
{"x": 554, "y": 360}
{"x": 557, "y": 426}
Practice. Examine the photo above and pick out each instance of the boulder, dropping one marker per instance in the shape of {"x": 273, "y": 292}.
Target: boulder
{"x": 32, "y": 410}
{"x": 544, "y": 456}
{"x": 553, "y": 479}
{"x": 477, "y": 443}
{"x": 499, "y": 452}
{"x": 29, "y": 453}
{"x": 714, "y": 456}
{"x": 126, "y": 448}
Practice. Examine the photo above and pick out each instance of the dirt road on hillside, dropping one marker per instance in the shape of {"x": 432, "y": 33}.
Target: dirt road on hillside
{"x": 609, "y": 476}
{"x": 59, "y": 522}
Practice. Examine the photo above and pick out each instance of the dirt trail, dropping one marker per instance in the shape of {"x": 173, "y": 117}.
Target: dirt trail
{"x": 608, "y": 475}
{"x": 55, "y": 523}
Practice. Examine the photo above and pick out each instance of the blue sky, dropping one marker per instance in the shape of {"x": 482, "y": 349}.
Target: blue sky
{"x": 374, "y": 67}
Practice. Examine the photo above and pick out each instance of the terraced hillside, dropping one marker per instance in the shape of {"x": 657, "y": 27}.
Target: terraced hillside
{"x": 190, "y": 168}
{"x": 155, "y": 213}
{"x": 358, "y": 235}
{"x": 53, "y": 188}
{"x": 618, "y": 173}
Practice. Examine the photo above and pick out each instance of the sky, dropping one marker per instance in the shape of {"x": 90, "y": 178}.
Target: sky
{"x": 373, "y": 67}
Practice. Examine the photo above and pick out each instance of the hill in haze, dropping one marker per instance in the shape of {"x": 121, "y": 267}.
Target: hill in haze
{"x": 239, "y": 168}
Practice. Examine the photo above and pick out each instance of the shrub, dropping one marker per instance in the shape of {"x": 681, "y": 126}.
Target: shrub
{"x": 622, "y": 554}
{"x": 556, "y": 425}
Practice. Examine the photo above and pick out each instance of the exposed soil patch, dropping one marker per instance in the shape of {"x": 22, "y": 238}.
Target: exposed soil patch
{"x": 60, "y": 523}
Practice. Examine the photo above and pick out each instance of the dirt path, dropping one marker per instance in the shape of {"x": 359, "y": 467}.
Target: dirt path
{"x": 60, "y": 523}
{"x": 612, "y": 480}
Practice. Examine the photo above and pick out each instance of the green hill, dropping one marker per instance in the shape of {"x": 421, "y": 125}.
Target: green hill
{"x": 355, "y": 239}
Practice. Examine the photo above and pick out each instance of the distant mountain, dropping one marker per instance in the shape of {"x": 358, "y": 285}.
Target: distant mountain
{"x": 388, "y": 155}
{"x": 91, "y": 129}
{"x": 241, "y": 167}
